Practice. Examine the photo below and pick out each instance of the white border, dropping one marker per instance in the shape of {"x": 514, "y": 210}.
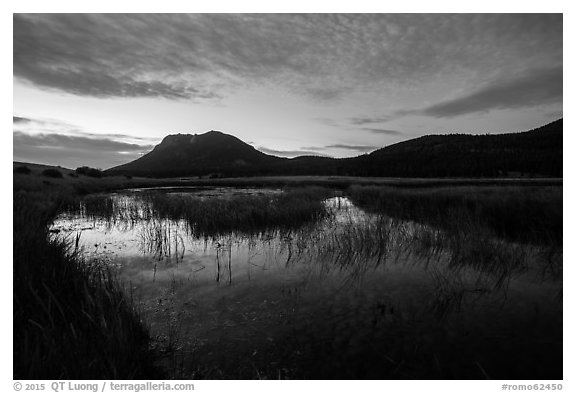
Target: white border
{"x": 303, "y": 6}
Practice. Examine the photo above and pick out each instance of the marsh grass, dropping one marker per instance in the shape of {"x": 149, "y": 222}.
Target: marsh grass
{"x": 465, "y": 259}
{"x": 244, "y": 214}
{"x": 433, "y": 225}
{"x": 496, "y": 230}
{"x": 72, "y": 319}
{"x": 163, "y": 239}
{"x": 454, "y": 233}
{"x": 523, "y": 214}
{"x": 459, "y": 226}
{"x": 247, "y": 214}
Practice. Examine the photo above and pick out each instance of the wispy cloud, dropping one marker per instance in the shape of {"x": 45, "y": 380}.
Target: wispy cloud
{"x": 120, "y": 137}
{"x": 331, "y": 122}
{"x": 17, "y": 119}
{"x": 53, "y": 126}
{"x": 555, "y": 115}
{"x": 535, "y": 87}
{"x": 355, "y": 148}
{"x": 49, "y": 141}
{"x": 324, "y": 94}
{"x": 55, "y": 142}
{"x": 290, "y": 153}
{"x": 323, "y": 56}
{"x": 358, "y": 148}
{"x": 64, "y": 149}
{"x": 360, "y": 121}
{"x": 382, "y": 131}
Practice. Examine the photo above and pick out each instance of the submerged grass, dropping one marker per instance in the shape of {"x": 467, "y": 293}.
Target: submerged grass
{"x": 72, "y": 320}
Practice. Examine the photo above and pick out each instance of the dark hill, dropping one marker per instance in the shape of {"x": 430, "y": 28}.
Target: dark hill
{"x": 532, "y": 153}
{"x": 190, "y": 155}
{"x": 537, "y": 153}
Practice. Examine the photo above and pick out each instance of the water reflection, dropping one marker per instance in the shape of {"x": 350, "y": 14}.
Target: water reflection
{"x": 354, "y": 279}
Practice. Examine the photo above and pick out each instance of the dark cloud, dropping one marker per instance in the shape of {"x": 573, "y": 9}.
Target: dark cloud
{"x": 102, "y": 55}
{"x": 382, "y": 131}
{"x": 358, "y": 148}
{"x": 532, "y": 88}
{"x": 75, "y": 142}
{"x": 322, "y": 56}
{"x": 124, "y": 137}
{"x": 360, "y": 121}
{"x": 313, "y": 148}
{"x": 57, "y": 127}
{"x": 17, "y": 119}
{"x": 71, "y": 150}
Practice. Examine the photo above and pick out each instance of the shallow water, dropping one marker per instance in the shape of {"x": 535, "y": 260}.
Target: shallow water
{"x": 319, "y": 301}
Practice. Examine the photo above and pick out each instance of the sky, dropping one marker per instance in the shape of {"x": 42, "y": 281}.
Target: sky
{"x": 103, "y": 89}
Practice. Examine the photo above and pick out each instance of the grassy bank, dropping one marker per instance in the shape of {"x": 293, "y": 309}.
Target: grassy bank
{"x": 72, "y": 320}
{"x": 33, "y": 179}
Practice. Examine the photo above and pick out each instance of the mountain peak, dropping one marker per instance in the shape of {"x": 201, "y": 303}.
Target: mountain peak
{"x": 199, "y": 154}
{"x": 190, "y": 139}
{"x": 180, "y": 136}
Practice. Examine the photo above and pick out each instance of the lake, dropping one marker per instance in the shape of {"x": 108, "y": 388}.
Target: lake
{"x": 341, "y": 294}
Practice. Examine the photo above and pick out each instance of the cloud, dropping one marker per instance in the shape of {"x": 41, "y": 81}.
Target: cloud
{"x": 555, "y": 114}
{"x": 532, "y": 88}
{"x": 331, "y": 122}
{"x": 313, "y": 148}
{"x": 382, "y": 131}
{"x": 324, "y": 94}
{"x": 360, "y": 121}
{"x": 320, "y": 56}
{"x": 74, "y": 151}
{"x": 290, "y": 153}
{"x": 54, "y": 126}
{"x": 358, "y": 148}
{"x": 122, "y": 137}
{"x": 104, "y": 56}
{"x": 17, "y": 119}
{"x": 48, "y": 141}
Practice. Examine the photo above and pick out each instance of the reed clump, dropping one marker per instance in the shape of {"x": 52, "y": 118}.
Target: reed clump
{"x": 246, "y": 214}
